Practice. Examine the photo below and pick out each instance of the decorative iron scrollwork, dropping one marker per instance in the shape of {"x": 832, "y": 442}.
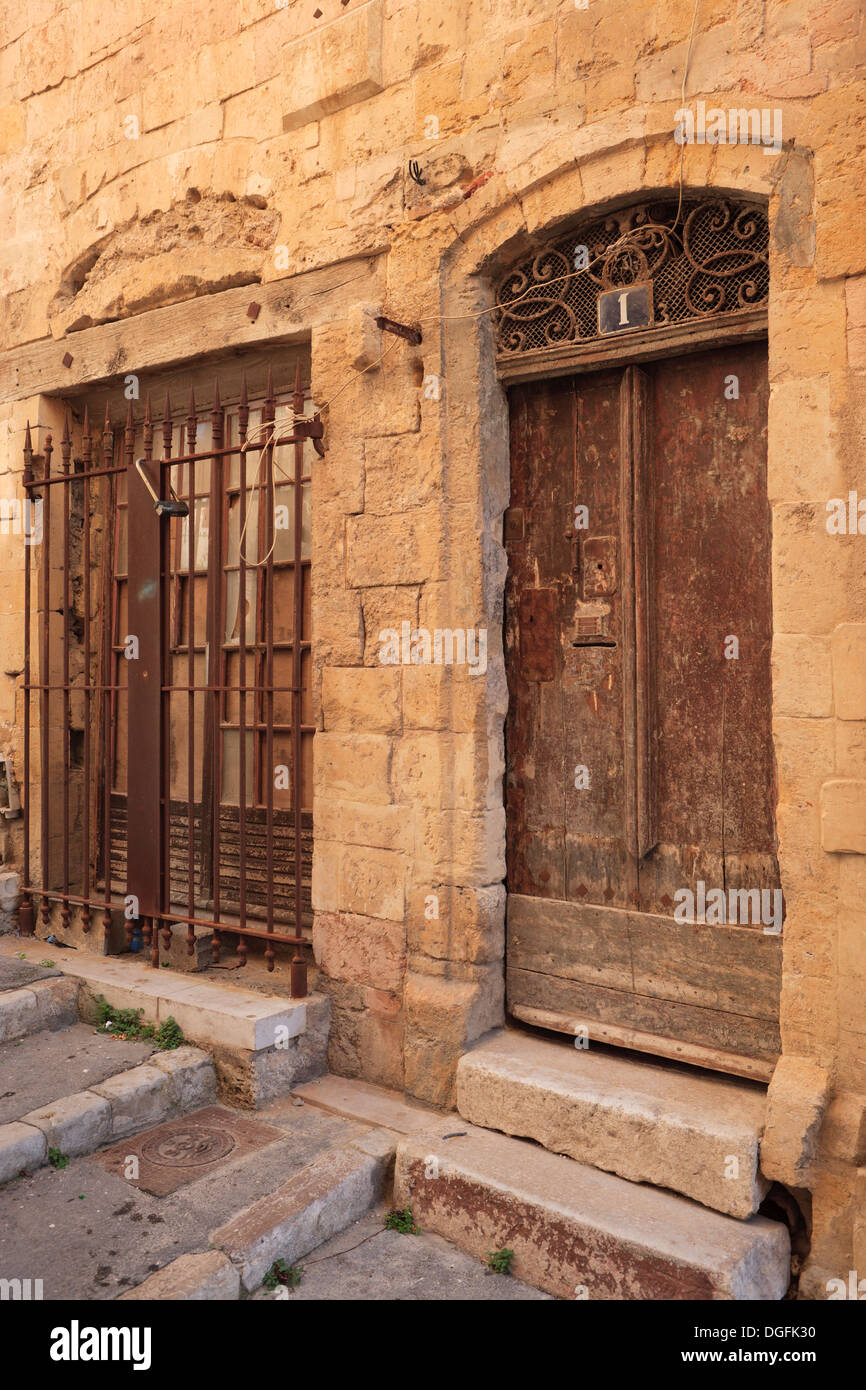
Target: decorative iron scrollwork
{"x": 711, "y": 259}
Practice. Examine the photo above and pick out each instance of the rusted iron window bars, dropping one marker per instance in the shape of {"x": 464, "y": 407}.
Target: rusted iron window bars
{"x": 153, "y": 589}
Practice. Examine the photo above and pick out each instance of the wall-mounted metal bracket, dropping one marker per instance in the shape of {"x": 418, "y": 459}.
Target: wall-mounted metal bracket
{"x": 310, "y": 428}
{"x": 402, "y": 330}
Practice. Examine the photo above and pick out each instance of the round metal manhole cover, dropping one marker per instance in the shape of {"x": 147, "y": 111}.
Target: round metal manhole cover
{"x": 191, "y": 1147}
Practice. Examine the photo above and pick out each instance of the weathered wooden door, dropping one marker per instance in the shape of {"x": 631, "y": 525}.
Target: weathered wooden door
{"x": 639, "y": 749}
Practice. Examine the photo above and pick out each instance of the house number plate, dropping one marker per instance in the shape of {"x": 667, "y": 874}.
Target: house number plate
{"x": 621, "y": 309}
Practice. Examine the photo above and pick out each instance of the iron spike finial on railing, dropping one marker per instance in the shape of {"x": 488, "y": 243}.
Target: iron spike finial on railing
{"x": 28, "y": 454}
{"x": 86, "y": 440}
{"x": 217, "y": 419}
{"x": 107, "y": 437}
{"x": 270, "y": 409}
{"x": 65, "y": 441}
{"x": 243, "y": 409}
{"x": 129, "y": 433}
{"x": 191, "y": 423}
{"x": 129, "y": 437}
{"x": 148, "y": 425}
{"x": 167, "y": 426}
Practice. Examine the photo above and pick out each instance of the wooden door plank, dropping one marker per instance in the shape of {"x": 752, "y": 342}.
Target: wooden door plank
{"x": 711, "y": 552}
{"x": 690, "y": 1023}
{"x": 644, "y": 658}
{"x": 735, "y": 970}
{"x": 598, "y": 868}
{"x": 696, "y": 1054}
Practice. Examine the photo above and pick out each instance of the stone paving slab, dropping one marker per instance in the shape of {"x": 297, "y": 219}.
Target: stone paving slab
{"x": 89, "y": 1234}
{"x": 15, "y": 974}
{"x": 46, "y": 1066}
{"x": 365, "y": 1263}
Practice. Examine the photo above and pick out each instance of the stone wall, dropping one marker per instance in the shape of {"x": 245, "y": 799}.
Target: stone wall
{"x": 157, "y": 152}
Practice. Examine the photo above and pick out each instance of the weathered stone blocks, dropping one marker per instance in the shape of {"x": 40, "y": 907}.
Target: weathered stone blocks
{"x": 333, "y": 67}
{"x": 22, "y": 1147}
{"x": 843, "y": 816}
{"x": 578, "y": 1232}
{"x": 317, "y": 1203}
{"x": 796, "y": 1101}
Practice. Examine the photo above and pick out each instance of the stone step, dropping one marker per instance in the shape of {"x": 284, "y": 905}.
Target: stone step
{"x": 90, "y": 1232}
{"x": 336, "y": 1189}
{"x": 17, "y": 973}
{"x": 168, "y": 1084}
{"x": 262, "y": 1045}
{"x": 204, "y": 1010}
{"x": 577, "y": 1232}
{"x": 43, "y": 1005}
{"x": 52, "y": 1065}
{"x": 670, "y": 1126}
{"x": 369, "y": 1104}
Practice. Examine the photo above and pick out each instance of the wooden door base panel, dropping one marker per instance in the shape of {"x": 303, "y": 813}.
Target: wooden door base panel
{"x": 755, "y": 1069}
{"x": 718, "y": 1030}
{"x": 735, "y": 970}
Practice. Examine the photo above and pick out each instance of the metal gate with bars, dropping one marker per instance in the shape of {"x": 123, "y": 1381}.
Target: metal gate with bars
{"x": 172, "y": 705}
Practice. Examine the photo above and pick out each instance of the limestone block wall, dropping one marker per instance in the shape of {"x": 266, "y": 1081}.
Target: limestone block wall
{"x": 157, "y": 152}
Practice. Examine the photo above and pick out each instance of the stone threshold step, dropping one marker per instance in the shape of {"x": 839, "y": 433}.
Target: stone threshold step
{"x": 370, "y": 1105}
{"x": 168, "y": 1084}
{"x": 580, "y": 1233}
{"x": 205, "y": 1011}
{"x": 668, "y": 1126}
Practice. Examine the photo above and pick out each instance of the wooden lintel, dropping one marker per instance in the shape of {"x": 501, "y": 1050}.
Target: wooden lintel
{"x": 212, "y": 325}
{"x": 644, "y": 344}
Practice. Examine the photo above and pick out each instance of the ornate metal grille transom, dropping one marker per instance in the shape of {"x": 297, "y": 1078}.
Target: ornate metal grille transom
{"x": 711, "y": 260}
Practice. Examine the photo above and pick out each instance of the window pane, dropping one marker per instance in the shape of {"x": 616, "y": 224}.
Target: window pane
{"x": 201, "y": 521}
{"x": 233, "y": 613}
{"x": 231, "y": 766}
{"x": 251, "y": 531}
